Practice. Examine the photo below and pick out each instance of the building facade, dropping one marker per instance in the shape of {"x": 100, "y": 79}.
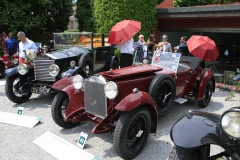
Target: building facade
{"x": 220, "y": 22}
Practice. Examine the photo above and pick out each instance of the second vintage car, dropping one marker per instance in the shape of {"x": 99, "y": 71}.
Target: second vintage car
{"x": 127, "y": 101}
{"x": 71, "y": 56}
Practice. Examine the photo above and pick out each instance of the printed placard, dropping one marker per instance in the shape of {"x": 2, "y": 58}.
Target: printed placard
{"x": 20, "y": 110}
{"x": 82, "y": 140}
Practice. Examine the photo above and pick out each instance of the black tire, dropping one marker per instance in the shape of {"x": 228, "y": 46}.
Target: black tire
{"x": 207, "y": 95}
{"x": 179, "y": 153}
{"x": 125, "y": 141}
{"x": 86, "y": 63}
{"x": 10, "y": 91}
{"x": 160, "y": 87}
{"x": 58, "y": 110}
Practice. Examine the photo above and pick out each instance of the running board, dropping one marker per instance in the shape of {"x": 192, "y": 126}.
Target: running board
{"x": 180, "y": 100}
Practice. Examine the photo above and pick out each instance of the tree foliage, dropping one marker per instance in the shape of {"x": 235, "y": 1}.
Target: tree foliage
{"x": 188, "y": 3}
{"x": 35, "y": 16}
{"x": 107, "y": 13}
{"x": 84, "y": 15}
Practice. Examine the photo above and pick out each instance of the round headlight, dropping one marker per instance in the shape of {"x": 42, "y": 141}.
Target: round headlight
{"x": 53, "y": 70}
{"x": 230, "y": 122}
{"x": 72, "y": 63}
{"x": 22, "y": 69}
{"x": 77, "y": 81}
{"x": 110, "y": 90}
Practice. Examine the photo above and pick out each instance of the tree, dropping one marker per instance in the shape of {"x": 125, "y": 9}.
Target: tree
{"x": 107, "y": 13}
{"x": 84, "y": 15}
{"x": 35, "y": 16}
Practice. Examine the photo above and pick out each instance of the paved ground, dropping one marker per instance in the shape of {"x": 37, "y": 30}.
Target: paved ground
{"x": 16, "y": 142}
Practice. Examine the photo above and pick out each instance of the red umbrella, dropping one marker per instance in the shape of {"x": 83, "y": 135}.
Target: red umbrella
{"x": 123, "y": 31}
{"x": 203, "y": 47}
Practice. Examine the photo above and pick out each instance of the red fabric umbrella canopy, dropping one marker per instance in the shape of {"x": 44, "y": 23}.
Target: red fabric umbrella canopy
{"x": 203, "y": 47}
{"x": 123, "y": 31}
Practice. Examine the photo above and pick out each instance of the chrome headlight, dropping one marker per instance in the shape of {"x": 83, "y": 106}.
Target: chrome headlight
{"x": 72, "y": 63}
{"x": 230, "y": 122}
{"x": 77, "y": 81}
{"x": 22, "y": 69}
{"x": 111, "y": 90}
{"x": 53, "y": 70}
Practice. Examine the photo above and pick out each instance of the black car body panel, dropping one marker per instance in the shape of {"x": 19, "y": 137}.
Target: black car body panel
{"x": 199, "y": 128}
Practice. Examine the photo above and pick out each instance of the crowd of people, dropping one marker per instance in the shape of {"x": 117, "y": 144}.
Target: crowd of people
{"x": 146, "y": 49}
{"x": 10, "y": 45}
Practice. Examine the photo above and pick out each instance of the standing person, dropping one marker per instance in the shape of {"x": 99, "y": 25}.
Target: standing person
{"x": 126, "y": 49}
{"x": 182, "y": 48}
{"x": 11, "y": 46}
{"x": 140, "y": 49}
{"x": 24, "y": 44}
{"x": 4, "y": 37}
{"x": 165, "y": 46}
{"x": 151, "y": 44}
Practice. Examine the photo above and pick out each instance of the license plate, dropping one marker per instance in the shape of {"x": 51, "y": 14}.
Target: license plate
{"x": 40, "y": 90}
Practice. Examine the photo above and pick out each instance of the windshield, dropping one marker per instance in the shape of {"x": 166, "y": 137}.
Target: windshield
{"x": 166, "y": 59}
{"x": 80, "y": 39}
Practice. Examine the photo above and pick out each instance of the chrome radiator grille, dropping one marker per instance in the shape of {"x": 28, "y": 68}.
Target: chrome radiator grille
{"x": 95, "y": 99}
{"x": 41, "y": 70}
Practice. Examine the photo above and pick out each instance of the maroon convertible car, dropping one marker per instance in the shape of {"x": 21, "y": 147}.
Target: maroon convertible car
{"x": 128, "y": 101}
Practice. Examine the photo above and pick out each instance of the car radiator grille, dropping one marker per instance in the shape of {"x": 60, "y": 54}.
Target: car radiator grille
{"x": 41, "y": 70}
{"x": 95, "y": 99}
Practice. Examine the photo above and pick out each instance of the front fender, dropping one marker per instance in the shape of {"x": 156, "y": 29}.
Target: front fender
{"x": 135, "y": 100}
{"x": 197, "y": 129}
{"x": 11, "y": 71}
{"x": 202, "y": 85}
{"x": 74, "y": 70}
{"x": 74, "y": 103}
{"x": 62, "y": 83}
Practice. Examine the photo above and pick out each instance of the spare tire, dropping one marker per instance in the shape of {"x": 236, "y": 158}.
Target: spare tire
{"x": 86, "y": 63}
{"x": 162, "y": 89}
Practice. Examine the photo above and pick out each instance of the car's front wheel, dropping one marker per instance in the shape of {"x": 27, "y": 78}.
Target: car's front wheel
{"x": 59, "y": 106}
{"x": 207, "y": 95}
{"x": 131, "y": 132}
{"x": 86, "y": 63}
{"x": 11, "y": 89}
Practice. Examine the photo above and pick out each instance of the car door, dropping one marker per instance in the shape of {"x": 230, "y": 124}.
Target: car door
{"x": 182, "y": 79}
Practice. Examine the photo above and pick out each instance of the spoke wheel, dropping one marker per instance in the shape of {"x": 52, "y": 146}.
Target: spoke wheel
{"x": 207, "y": 95}
{"x": 11, "y": 89}
{"x": 59, "y": 106}
{"x": 162, "y": 89}
{"x": 86, "y": 63}
{"x": 131, "y": 132}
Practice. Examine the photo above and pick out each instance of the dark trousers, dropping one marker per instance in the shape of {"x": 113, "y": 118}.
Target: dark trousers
{"x": 125, "y": 60}
{"x": 11, "y": 51}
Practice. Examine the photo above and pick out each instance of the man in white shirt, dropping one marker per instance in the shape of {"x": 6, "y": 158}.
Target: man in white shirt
{"x": 126, "y": 49}
{"x": 25, "y": 44}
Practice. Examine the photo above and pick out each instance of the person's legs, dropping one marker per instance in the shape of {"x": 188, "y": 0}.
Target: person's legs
{"x": 125, "y": 60}
{"x": 11, "y": 51}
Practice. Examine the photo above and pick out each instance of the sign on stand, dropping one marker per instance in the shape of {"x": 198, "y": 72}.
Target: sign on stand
{"x": 82, "y": 140}
{"x": 20, "y": 110}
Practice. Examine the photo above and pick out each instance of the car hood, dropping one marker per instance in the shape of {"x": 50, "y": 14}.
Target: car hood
{"x": 66, "y": 53}
{"x": 130, "y": 71}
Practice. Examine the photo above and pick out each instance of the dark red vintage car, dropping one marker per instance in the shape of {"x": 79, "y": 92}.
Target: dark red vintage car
{"x": 128, "y": 101}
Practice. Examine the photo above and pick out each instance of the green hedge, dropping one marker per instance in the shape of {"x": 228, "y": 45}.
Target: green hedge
{"x": 188, "y": 3}
{"x": 107, "y": 13}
